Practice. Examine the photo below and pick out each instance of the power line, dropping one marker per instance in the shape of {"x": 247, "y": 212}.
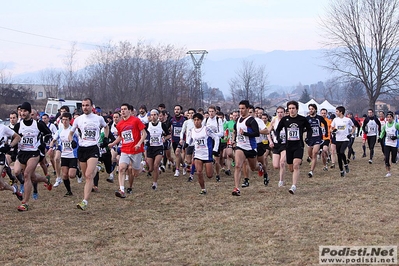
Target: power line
{"x": 33, "y": 45}
{"x": 47, "y": 37}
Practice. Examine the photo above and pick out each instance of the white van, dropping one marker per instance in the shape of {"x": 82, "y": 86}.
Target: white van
{"x": 54, "y": 104}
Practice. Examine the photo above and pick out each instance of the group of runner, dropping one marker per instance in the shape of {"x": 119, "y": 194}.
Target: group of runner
{"x": 203, "y": 143}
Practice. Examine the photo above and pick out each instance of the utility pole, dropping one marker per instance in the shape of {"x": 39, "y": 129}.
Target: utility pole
{"x": 197, "y": 72}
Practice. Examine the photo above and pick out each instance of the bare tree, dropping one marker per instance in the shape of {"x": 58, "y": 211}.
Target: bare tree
{"x": 249, "y": 83}
{"x": 363, "y": 37}
{"x": 52, "y": 81}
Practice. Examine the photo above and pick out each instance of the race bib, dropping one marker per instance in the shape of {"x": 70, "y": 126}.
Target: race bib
{"x": 156, "y": 140}
{"x": 241, "y": 139}
{"x": 200, "y": 144}
{"x": 315, "y": 131}
{"x": 66, "y": 146}
{"x": 27, "y": 142}
{"x": 176, "y": 131}
{"x": 127, "y": 136}
{"x": 89, "y": 134}
{"x": 293, "y": 134}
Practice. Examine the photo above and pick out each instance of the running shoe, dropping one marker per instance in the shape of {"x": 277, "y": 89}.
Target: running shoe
{"x": 190, "y": 178}
{"x": 184, "y": 170}
{"x": 218, "y": 178}
{"x": 236, "y": 192}
{"x": 80, "y": 180}
{"x": 354, "y": 156}
{"x": 162, "y": 168}
{"x": 129, "y": 190}
{"x": 332, "y": 166}
{"x": 342, "y": 173}
{"x": 95, "y": 189}
{"x": 110, "y": 179}
{"x": 233, "y": 164}
{"x": 227, "y": 172}
{"x": 48, "y": 184}
{"x": 246, "y": 183}
{"x": 309, "y": 160}
{"x": 203, "y": 192}
{"x": 173, "y": 168}
{"x": 370, "y": 161}
{"x": 120, "y": 194}
{"x": 280, "y": 183}
{"x": 292, "y": 189}
{"x": 260, "y": 172}
{"x": 17, "y": 193}
{"x": 364, "y": 155}
{"x": 346, "y": 168}
{"x": 325, "y": 168}
{"x": 69, "y": 193}
{"x": 35, "y": 196}
{"x": 154, "y": 187}
{"x": 82, "y": 205}
{"x": 23, "y": 207}
{"x": 177, "y": 173}
{"x": 310, "y": 174}
{"x": 58, "y": 181}
{"x": 388, "y": 174}
{"x": 266, "y": 179}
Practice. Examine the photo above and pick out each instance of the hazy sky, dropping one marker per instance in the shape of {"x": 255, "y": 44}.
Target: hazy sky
{"x": 207, "y": 24}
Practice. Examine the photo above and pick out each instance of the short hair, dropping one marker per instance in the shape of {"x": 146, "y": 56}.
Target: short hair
{"x": 251, "y": 107}
{"x": 154, "y": 111}
{"x": 323, "y": 109}
{"x": 199, "y": 116}
{"x": 280, "y": 107}
{"x": 162, "y": 105}
{"x": 341, "y": 109}
{"x": 65, "y": 107}
{"x": 181, "y": 107}
{"x": 212, "y": 107}
{"x": 45, "y": 115}
{"x": 191, "y": 109}
{"x": 129, "y": 107}
{"x": 14, "y": 113}
{"x": 244, "y": 102}
{"x": 67, "y": 115}
{"x": 88, "y": 99}
{"x": 312, "y": 105}
{"x": 293, "y": 103}
{"x": 220, "y": 113}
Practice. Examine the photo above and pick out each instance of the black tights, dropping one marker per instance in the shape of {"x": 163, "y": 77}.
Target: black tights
{"x": 341, "y": 147}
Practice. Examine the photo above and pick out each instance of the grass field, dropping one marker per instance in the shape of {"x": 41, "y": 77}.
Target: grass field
{"x": 176, "y": 226}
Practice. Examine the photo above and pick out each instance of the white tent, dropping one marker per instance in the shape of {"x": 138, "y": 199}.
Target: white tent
{"x": 327, "y": 105}
{"x": 303, "y": 109}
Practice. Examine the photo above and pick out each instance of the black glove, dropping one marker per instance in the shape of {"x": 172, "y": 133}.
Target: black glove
{"x": 394, "y": 137}
{"x": 6, "y": 148}
{"x": 379, "y": 140}
{"x": 349, "y": 136}
{"x": 74, "y": 144}
{"x": 105, "y": 143}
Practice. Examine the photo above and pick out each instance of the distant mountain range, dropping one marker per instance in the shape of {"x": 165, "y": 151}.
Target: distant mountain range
{"x": 285, "y": 69}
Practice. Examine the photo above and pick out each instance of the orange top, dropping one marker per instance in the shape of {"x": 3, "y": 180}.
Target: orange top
{"x": 329, "y": 129}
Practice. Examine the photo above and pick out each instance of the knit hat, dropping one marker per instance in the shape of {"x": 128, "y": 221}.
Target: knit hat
{"x": 26, "y": 106}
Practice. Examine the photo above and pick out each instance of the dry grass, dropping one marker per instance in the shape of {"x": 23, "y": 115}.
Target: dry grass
{"x": 176, "y": 226}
